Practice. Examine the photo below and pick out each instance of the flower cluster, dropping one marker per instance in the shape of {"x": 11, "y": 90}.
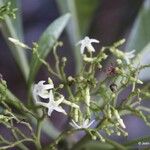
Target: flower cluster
{"x": 44, "y": 91}
{"x": 89, "y": 97}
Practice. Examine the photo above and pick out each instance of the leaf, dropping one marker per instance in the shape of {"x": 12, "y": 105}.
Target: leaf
{"x": 145, "y": 59}
{"x": 82, "y": 12}
{"x": 13, "y": 28}
{"x": 17, "y": 23}
{"x": 140, "y": 37}
{"x": 140, "y": 33}
{"x": 73, "y": 30}
{"x": 46, "y": 42}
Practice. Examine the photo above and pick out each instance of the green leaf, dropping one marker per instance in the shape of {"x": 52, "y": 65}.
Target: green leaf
{"x": 85, "y": 12}
{"x": 13, "y": 28}
{"x": 73, "y": 30}
{"x": 140, "y": 33}
{"x": 17, "y": 23}
{"x": 82, "y": 12}
{"x": 140, "y": 36}
{"x": 144, "y": 60}
{"x": 46, "y": 42}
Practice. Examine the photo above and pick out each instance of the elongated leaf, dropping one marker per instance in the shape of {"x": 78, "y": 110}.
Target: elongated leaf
{"x": 144, "y": 60}
{"x": 73, "y": 30}
{"x": 13, "y": 28}
{"x": 140, "y": 33}
{"x": 82, "y": 12}
{"x": 17, "y": 23}
{"x": 46, "y": 42}
{"x": 140, "y": 37}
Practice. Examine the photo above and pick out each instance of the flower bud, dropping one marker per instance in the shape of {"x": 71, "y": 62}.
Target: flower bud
{"x": 64, "y": 59}
{"x": 119, "y": 61}
{"x": 61, "y": 86}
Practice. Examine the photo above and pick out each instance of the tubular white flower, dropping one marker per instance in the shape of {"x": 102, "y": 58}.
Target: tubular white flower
{"x": 128, "y": 56}
{"x": 84, "y": 125}
{"x": 86, "y": 43}
{"x": 41, "y": 90}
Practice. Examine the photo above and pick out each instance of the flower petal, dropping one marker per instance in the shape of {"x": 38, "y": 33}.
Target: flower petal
{"x": 94, "y": 41}
{"x": 90, "y": 123}
{"x": 74, "y": 124}
{"x": 60, "y": 109}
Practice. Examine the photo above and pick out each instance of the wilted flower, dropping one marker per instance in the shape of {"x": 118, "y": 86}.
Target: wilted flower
{"x": 86, "y": 43}
{"x": 85, "y": 124}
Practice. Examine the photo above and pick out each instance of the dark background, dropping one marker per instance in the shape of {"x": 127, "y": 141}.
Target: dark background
{"x": 112, "y": 20}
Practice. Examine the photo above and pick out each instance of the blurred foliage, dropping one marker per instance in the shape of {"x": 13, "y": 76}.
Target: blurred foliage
{"x": 46, "y": 43}
{"x": 82, "y": 12}
{"x": 140, "y": 37}
{"x": 13, "y": 28}
{"x": 86, "y": 10}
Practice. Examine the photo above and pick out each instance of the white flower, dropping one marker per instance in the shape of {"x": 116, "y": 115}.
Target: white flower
{"x": 128, "y": 56}
{"x": 41, "y": 90}
{"x": 86, "y": 43}
{"x": 53, "y": 105}
{"x": 85, "y": 124}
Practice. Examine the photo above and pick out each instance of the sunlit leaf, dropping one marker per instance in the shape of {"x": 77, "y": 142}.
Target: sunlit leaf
{"x": 144, "y": 60}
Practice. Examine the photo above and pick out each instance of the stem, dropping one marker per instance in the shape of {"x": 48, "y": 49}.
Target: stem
{"x": 17, "y": 143}
{"x": 38, "y": 133}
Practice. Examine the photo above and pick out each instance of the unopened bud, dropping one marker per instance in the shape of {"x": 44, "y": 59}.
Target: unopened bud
{"x": 70, "y": 78}
{"x": 64, "y": 59}
{"x": 119, "y": 61}
{"x": 61, "y": 86}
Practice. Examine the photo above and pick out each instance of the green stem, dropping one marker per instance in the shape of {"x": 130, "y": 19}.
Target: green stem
{"x": 38, "y": 133}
